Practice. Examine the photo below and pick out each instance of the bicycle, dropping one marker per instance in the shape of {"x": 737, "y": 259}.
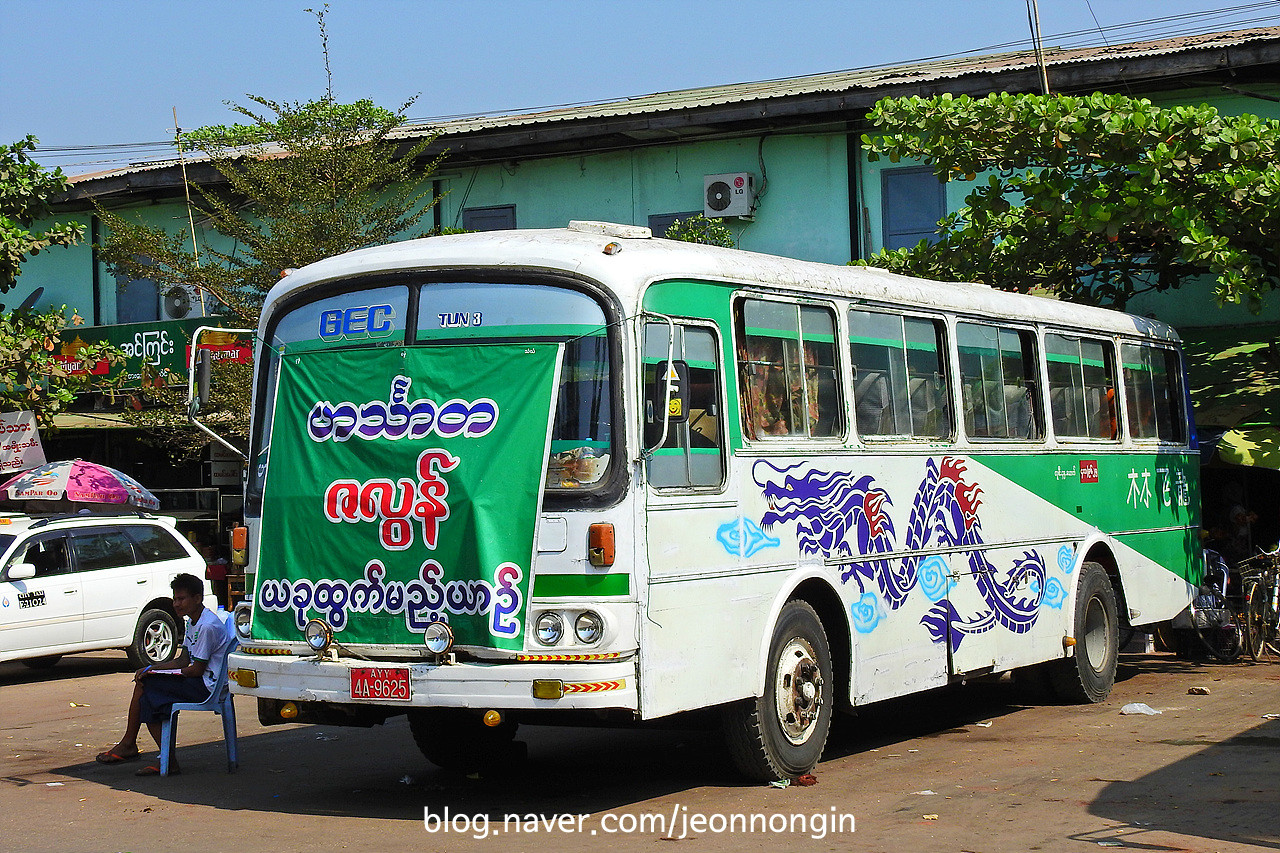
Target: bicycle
{"x": 1216, "y": 617}
{"x": 1261, "y": 577}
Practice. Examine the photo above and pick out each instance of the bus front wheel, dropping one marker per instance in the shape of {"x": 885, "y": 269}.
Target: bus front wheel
{"x": 781, "y": 734}
{"x": 1089, "y": 674}
{"x": 458, "y": 740}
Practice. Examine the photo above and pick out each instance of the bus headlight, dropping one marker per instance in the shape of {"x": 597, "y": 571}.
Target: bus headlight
{"x": 549, "y": 628}
{"x": 241, "y": 617}
{"x": 588, "y": 627}
{"x": 438, "y": 638}
{"x": 319, "y": 635}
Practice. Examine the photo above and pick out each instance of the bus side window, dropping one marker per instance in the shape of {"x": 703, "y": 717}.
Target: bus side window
{"x": 900, "y": 378}
{"x": 692, "y": 456}
{"x": 789, "y": 379}
{"x": 998, "y": 370}
{"x": 1153, "y": 393}
{"x": 1082, "y": 383}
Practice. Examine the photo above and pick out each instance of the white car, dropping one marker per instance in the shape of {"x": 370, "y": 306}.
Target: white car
{"x": 80, "y": 583}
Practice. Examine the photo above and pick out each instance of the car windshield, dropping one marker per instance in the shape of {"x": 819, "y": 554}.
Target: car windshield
{"x": 6, "y": 539}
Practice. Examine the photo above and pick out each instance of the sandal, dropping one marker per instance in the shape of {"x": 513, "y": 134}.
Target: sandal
{"x": 110, "y": 756}
{"x": 154, "y": 770}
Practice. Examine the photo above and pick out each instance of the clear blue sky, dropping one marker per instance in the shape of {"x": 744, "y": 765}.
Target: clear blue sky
{"x": 105, "y": 72}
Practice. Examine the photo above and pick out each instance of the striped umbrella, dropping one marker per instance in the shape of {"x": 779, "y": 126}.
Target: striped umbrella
{"x": 79, "y": 481}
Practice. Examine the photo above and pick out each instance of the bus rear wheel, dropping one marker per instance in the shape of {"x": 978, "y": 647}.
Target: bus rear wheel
{"x": 1089, "y": 674}
{"x": 781, "y": 734}
{"x": 458, "y": 740}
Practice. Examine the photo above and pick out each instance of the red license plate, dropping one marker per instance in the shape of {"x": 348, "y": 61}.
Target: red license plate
{"x": 380, "y": 682}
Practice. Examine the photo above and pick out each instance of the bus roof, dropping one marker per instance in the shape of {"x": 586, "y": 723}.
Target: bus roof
{"x": 642, "y": 260}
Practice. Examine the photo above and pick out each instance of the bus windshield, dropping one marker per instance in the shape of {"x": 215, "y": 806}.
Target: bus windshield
{"x": 466, "y": 312}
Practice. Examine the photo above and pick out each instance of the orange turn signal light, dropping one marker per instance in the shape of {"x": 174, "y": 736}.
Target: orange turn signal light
{"x": 600, "y": 545}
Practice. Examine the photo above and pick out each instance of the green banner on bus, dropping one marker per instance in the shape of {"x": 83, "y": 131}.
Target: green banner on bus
{"x": 403, "y": 487}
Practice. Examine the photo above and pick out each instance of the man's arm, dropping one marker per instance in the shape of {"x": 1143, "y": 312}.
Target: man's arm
{"x": 182, "y": 662}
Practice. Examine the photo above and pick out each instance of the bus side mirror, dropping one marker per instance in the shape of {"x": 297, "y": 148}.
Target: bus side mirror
{"x": 204, "y": 378}
{"x": 670, "y": 385}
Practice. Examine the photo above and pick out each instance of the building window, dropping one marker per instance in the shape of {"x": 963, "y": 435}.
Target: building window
{"x": 500, "y": 218}
{"x": 137, "y": 300}
{"x": 912, "y": 202}
{"x": 660, "y": 222}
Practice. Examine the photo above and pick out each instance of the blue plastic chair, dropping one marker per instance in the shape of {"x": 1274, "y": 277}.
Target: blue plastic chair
{"x": 220, "y": 702}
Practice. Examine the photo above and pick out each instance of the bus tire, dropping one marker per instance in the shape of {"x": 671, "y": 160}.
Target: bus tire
{"x": 781, "y": 734}
{"x": 458, "y": 740}
{"x": 154, "y": 640}
{"x": 1089, "y": 674}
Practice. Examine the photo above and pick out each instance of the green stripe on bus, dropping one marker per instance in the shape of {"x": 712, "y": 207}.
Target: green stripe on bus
{"x": 1122, "y": 492}
{"x": 515, "y": 330}
{"x": 560, "y": 445}
{"x": 580, "y": 586}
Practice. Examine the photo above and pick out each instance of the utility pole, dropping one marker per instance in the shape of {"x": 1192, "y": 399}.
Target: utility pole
{"x": 1033, "y": 17}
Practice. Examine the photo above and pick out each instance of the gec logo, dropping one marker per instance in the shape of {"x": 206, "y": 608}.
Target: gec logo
{"x": 360, "y": 321}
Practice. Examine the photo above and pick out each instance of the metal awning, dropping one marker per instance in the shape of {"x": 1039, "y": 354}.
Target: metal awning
{"x": 90, "y": 420}
{"x": 1234, "y": 372}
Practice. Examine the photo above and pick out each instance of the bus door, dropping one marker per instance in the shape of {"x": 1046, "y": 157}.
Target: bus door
{"x": 683, "y": 420}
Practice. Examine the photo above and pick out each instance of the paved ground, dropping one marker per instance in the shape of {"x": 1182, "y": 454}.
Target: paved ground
{"x": 998, "y": 775}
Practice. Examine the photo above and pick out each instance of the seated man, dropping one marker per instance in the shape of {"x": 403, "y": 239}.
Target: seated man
{"x": 187, "y": 678}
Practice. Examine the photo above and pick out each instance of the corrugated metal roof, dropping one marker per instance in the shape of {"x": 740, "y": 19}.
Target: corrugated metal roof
{"x": 858, "y": 79}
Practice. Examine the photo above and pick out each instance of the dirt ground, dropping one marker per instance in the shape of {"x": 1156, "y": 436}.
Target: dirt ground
{"x": 965, "y": 769}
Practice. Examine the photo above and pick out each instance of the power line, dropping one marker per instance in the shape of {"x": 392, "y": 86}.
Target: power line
{"x": 1240, "y": 16}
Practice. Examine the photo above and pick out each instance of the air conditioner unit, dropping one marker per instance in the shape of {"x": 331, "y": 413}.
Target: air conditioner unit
{"x": 733, "y": 194}
{"x": 180, "y": 302}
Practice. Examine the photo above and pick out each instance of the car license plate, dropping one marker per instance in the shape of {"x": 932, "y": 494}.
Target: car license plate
{"x": 380, "y": 682}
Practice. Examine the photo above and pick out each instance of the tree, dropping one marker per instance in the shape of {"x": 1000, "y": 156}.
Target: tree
{"x": 25, "y": 190}
{"x": 303, "y": 181}
{"x": 700, "y": 229}
{"x": 1094, "y": 198}
{"x": 32, "y": 377}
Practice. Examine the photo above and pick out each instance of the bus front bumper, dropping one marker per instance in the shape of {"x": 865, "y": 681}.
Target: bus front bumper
{"x": 602, "y": 685}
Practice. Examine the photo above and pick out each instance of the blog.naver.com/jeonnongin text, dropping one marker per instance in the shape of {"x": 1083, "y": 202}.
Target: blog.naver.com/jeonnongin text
{"x": 674, "y": 824}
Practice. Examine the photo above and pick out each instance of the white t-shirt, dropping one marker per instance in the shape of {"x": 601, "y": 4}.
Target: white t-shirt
{"x": 207, "y": 639}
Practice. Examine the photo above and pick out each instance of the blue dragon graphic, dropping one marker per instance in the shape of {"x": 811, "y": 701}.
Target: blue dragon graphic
{"x": 842, "y": 515}
{"x": 836, "y": 515}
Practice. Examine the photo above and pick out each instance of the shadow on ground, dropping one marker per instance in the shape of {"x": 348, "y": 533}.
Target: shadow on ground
{"x": 1237, "y": 777}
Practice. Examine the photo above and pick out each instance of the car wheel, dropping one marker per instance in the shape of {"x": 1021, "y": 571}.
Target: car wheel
{"x": 154, "y": 640}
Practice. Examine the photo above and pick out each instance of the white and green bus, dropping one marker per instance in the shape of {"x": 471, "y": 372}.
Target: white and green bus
{"x": 586, "y": 474}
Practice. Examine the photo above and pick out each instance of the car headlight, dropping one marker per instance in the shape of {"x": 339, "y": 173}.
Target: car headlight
{"x": 549, "y": 628}
{"x": 319, "y": 635}
{"x": 438, "y": 638}
{"x": 588, "y": 627}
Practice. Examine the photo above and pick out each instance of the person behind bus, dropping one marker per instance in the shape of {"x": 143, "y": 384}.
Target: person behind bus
{"x": 216, "y": 571}
{"x": 187, "y": 678}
